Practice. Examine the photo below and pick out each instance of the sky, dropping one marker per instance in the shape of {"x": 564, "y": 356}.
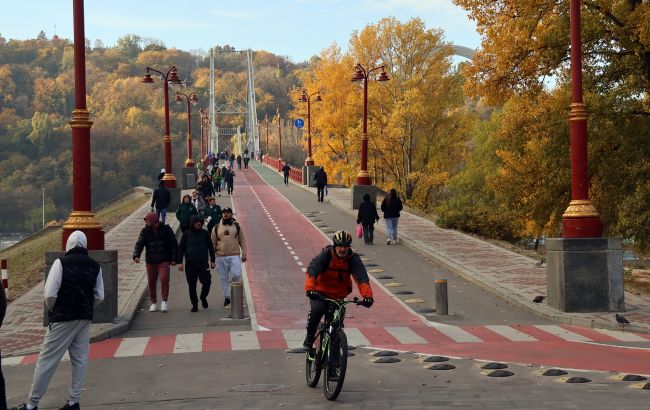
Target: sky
{"x": 298, "y": 29}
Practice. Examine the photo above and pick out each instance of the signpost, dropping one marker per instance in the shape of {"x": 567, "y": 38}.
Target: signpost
{"x": 299, "y": 123}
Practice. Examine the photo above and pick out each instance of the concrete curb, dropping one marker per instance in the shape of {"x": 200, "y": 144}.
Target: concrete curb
{"x": 495, "y": 288}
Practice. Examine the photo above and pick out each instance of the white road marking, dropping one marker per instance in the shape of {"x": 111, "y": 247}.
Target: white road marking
{"x": 511, "y": 333}
{"x": 622, "y": 336}
{"x": 405, "y": 335}
{"x": 456, "y": 333}
{"x": 355, "y": 337}
{"x": 563, "y": 333}
{"x": 245, "y": 340}
{"x": 294, "y": 338}
{"x": 132, "y": 346}
{"x": 189, "y": 343}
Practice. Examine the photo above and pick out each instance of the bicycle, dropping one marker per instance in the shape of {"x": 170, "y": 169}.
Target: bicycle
{"x": 331, "y": 349}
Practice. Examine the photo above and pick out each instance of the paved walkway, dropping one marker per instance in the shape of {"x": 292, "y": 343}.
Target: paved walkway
{"x": 507, "y": 274}
{"x": 23, "y": 331}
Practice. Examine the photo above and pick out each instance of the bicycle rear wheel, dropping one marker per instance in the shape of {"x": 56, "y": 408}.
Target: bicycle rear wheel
{"x": 337, "y": 362}
{"x": 314, "y": 364}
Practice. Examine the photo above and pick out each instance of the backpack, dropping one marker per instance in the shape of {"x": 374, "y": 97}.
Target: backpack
{"x": 236, "y": 234}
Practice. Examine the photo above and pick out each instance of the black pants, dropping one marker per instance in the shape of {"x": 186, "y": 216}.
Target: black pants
{"x": 368, "y": 233}
{"x": 245, "y": 164}
{"x": 198, "y": 272}
{"x": 286, "y": 179}
{"x": 318, "y": 309}
{"x": 3, "y": 394}
{"x": 230, "y": 188}
{"x": 239, "y": 165}
{"x": 320, "y": 192}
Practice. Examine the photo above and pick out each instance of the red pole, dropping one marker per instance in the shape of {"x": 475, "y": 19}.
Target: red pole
{"x": 266, "y": 119}
{"x": 188, "y": 162}
{"x": 363, "y": 177}
{"x": 279, "y": 140}
{"x": 309, "y": 161}
{"x": 169, "y": 178}
{"x": 81, "y": 218}
{"x": 581, "y": 219}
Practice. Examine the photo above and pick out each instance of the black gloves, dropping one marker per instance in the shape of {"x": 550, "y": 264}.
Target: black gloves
{"x": 367, "y": 302}
{"x": 312, "y": 294}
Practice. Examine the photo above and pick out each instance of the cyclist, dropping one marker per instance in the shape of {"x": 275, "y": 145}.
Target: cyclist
{"x": 329, "y": 275}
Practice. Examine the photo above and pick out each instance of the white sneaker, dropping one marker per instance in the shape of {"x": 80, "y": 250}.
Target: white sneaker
{"x": 388, "y": 242}
{"x": 396, "y": 240}
{"x": 153, "y": 307}
{"x": 163, "y": 306}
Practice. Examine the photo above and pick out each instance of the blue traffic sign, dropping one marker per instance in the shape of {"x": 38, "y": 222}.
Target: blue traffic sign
{"x": 299, "y": 123}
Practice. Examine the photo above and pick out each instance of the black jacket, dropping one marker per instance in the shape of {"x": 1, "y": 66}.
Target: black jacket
{"x": 320, "y": 178}
{"x": 76, "y": 296}
{"x": 392, "y": 210}
{"x": 367, "y": 214}
{"x": 161, "y": 198}
{"x": 195, "y": 246}
{"x": 286, "y": 168}
{"x": 161, "y": 246}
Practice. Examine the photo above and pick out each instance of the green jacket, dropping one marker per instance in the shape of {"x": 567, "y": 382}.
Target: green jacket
{"x": 184, "y": 213}
{"x": 214, "y": 213}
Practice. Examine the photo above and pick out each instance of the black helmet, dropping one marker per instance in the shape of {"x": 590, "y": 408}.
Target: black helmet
{"x": 342, "y": 238}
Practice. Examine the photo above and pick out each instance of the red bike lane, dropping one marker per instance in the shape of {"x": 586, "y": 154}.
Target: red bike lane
{"x": 281, "y": 242}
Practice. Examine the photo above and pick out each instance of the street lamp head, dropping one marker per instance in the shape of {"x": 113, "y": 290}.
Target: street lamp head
{"x": 179, "y": 99}
{"x": 358, "y": 73}
{"x": 303, "y": 96}
{"x": 193, "y": 99}
{"x": 383, "y": 76}
{"x": 173, "y": 76}
{"x": 147, "y": 78}
{"x": 318, "y": 99}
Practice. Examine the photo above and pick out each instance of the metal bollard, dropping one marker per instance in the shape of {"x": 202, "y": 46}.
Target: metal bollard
{"x": 237, "y": 300}
{"x": 441, "y": 297}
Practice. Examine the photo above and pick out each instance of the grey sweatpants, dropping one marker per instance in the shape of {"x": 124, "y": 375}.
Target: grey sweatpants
{"x": 69, "y": 336}
{"x": 229, "y": 268}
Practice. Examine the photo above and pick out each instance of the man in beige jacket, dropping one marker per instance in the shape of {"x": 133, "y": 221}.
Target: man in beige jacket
{"x": 230, "y": 246}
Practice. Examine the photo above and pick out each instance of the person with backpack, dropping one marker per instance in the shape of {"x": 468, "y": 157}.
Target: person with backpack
{"x": 184, "y": 212}
{"x": 367, "y": 216}
{"x": 196, "y": 246}
{"x": 391, "y": 207}
{"x": 230, "y": 246}
{"x": 160, "y": 200}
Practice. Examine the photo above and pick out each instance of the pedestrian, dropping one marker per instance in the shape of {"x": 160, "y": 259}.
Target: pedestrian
{"x": 207, "y": 188}
{"x": 198, "y": 201}
{"x": 232, "y": 161}
{"x": 224, "y": 172}
{"x": 160, "y": 201}
{"x": 73, "y": 288}
{"x": 3, "y": 310}
{"x": 230, "y": 181}
{"x": 246, "y": 159}
{"x": 391, "y": 207}
{"x": 196, "y": 246}
{"x": 162, "y": 250}
{"x": 230, "y": 246}
{"x": 184, "y": 212}
{"x": 320, "y": 179}
{"x": 239, "y": 162}
{"x": 285, "y": 169}
{"x": 161, "y": 175}
{"x": 199, "y": 166}
{"x": 216, "y": 178}
{"x": 367, "y": 216}
{"x": 213, "y": 212}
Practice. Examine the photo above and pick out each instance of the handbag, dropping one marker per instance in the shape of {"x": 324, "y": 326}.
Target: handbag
{"x": 359, "y": 231}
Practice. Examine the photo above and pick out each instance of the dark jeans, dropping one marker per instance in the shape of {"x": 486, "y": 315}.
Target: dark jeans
{"x": 318, "y": 309}
{"x": 368, "y": 233}
{"x": 162, "y": 214}
{"x": 195, "y": 272}
{"x": 3, "y": 395}
{"x": 230, "y": 188}
{"x": 286, "y": 179}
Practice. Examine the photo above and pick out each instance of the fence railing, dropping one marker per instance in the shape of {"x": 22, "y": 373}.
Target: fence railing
{"x": 295, "y": 174}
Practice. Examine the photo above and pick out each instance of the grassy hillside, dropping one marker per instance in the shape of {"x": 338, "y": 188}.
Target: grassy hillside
{"x": 26, "y": 259}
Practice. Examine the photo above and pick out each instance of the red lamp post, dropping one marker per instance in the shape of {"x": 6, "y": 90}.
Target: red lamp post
{"x": 81, "y": 218}
{"x": 362, "y": 74}
{"x": 170, "y": 77}
{"x": 266, "y": 119}
{"x": 581, "y": 219}
{"x": 204, "y": 120}
{"x": 279, "y": 140}
{"x": 307, "y": 98}
{"x": 190, "y": 99}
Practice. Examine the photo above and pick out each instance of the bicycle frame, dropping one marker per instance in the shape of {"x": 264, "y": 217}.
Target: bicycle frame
{"x": 327, "y": 328}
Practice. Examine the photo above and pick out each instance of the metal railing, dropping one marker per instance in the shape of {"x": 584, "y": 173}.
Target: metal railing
{"x": 295, "y": 174}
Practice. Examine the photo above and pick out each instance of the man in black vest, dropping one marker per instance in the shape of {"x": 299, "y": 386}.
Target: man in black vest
{"x": 74, "y": 286}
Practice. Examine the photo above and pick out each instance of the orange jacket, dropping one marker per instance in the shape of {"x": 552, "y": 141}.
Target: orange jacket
{"x": 331, "y": 275}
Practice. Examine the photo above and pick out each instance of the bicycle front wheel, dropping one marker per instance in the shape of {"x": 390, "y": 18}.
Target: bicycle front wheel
{"x": 337, "y": 362}
{"x": 314, "y": 364}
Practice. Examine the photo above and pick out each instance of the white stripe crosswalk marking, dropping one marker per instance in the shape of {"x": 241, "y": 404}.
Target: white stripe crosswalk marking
{"x": 356, "y": 338}
{"x": 245, "y": 340}
{"x": 511, "y": 333}
{"x": 133, "y": 346}
{"x": 563, "y": 333}
{"x": 405, "y": 335}
{"x": 189, "y": 343}
{"x": 11, "y": 361}
{"x": 456, "y": 333}
{"x": 622, "y": 336}
{"x": 294, "y": 338}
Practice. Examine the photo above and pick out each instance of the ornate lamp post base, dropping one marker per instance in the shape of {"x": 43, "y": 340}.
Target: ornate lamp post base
{"x": 364, "y": 178}
{"x": 189, "y": 163}
{"x": 309, "y": 161}
{"x": 84, "y": 221}
{"x": 581, "y": 220}
{"x": 170, "y": 180}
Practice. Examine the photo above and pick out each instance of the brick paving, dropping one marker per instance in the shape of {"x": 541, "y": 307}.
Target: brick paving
{"x": 511, "y": 276}
{"x": 23, "y": 331}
